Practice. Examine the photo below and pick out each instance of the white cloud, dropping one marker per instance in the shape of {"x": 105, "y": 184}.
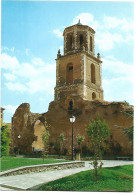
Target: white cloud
{"x": 113, "y": 66}
{"x": 107, "y": 40}
{"x": 41, "y": 99}
{"x": 10, "y": 108}
{"x": 86, "y": 19}
{"x": 104, "y": 41}
{"x": 8, "y": 62}
{"x": 34, "y": 77}
{"x": 114, "y": 22}
{"x": 26, "y": 70}
{"x": 16, "y": 86}
{"x": 118, "y": 89}
{"x": 38, "y": 62}
{"x": 110, "y": 30}
{"x": 9, "y": 77}
{"x": 111, "y": 22}
{"x": 12, "y": 49}
{"x": 118, "y": 80}
{"x": 41, "y": 84}
{"x": 58, "y": 33}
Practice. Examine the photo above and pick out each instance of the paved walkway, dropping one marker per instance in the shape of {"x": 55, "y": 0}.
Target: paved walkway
{"x": 33, "y": 180}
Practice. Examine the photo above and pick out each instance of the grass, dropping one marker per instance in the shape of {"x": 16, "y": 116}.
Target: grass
{"x": 14, "y": 162}
{"x": 115, "y": 179}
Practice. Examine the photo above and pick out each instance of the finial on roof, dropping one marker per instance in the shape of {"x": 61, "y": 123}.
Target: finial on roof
{"x": 58, "y": 54}
{"x": 79, "y": 22}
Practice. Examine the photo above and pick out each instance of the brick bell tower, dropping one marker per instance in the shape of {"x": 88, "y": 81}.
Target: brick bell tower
{"x": 78, "y": 71}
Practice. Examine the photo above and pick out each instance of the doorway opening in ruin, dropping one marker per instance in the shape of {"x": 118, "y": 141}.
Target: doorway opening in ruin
{"x": 39, "y": 128}
{"x": 93, "y": 96}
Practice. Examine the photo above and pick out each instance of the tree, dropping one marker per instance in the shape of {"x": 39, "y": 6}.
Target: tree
{"x": 128, "y": 112}
{"x": 62, "y": 139}
{"x": 80, "y": 139}
{"x": 45, "y": 139}
{"x": 97, "y": 131}
{"x": 56, "y": 147}
{"x": 5, "y": 140}
{"x": 129, "y": 131}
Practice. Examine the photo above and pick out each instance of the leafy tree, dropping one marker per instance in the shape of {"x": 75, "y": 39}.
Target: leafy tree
{"x": 97, "y": 131}
{"x": 45, "y": 139}
{"x": 62, "y": 139}
{"x": 128, "y": 112}
{"x": 5, "y": 140}
{"x": 80, "y": 139}
{"x": 56, "y": 147}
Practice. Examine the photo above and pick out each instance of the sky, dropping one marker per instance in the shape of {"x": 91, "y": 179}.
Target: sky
{"x": 31, "y": 34}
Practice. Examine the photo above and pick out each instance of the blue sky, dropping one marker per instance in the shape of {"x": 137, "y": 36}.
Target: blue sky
{"x": 31, "y": 34}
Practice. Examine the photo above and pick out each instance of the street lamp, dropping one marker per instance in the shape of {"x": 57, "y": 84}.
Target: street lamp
{"x": 18, "y": 142}
{"x": 72, "y": 120}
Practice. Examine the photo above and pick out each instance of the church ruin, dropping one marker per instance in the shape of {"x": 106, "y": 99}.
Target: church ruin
{"x": 79, "y": 86}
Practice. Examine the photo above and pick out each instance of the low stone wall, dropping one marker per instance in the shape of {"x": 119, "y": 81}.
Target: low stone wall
{"x": 43, "y": 168}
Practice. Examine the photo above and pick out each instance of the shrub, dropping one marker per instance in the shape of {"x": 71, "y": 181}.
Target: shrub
{"x": 5, "y": 140}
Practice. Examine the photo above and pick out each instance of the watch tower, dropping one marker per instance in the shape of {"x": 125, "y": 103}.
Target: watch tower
{"x": 78, "y": 71}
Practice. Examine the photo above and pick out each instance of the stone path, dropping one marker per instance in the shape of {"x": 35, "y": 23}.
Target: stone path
{"x": 33, "y": 180}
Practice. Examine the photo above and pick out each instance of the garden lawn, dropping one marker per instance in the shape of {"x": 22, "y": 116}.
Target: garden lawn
{"x": 115, "y": 179}
{"x": 14, "y": 162}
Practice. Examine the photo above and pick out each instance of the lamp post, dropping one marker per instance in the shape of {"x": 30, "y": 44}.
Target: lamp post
{"x": 18, "y": 142}
{"x": 72, "y": 120}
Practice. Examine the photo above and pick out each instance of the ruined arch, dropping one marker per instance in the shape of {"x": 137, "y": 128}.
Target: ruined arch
{"x": 39, "y": 126}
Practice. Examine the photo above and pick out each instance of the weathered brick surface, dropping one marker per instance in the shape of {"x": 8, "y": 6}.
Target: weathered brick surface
{"x": 84, "y": 112}
{"x": 23, "y": 122}
{"x": 58, "y": 118}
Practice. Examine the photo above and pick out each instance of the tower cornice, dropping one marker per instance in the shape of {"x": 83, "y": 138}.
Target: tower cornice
{"x": 78, "y": 53}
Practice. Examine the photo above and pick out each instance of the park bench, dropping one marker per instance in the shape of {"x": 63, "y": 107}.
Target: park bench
{"x": 123, "y": 158}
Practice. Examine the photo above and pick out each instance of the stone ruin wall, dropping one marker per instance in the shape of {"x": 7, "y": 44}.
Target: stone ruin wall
{"x": 23, "y": 123}
{"x": 84, "y": 112}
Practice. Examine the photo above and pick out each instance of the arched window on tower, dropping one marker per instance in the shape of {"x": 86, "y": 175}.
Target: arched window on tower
{"x": 70, "y": 73}
{"x": 93, "y": 79}
{"x": 81, "y": 40}
{"x": 70, "y": 41}
{"x": 90, "y": 43}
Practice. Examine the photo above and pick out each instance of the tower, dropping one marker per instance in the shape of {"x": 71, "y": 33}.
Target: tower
{"x": 78, "y": 71}
{"x": 1, "y": 113}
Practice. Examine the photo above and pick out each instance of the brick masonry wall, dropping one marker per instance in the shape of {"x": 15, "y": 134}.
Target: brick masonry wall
{"x": 58, "y": 117}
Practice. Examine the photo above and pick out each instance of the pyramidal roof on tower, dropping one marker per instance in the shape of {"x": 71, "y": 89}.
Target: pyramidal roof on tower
{"x": 79, "y": 24}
